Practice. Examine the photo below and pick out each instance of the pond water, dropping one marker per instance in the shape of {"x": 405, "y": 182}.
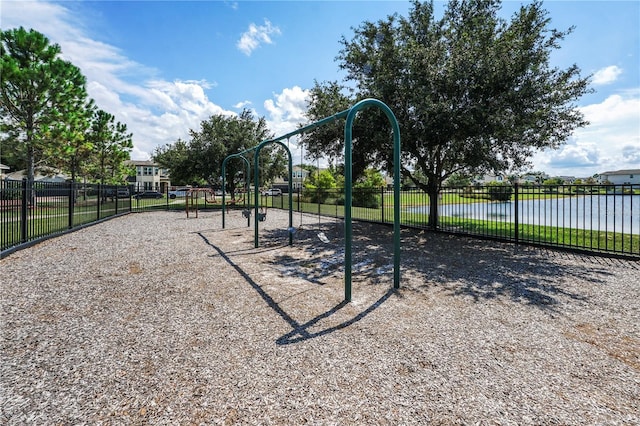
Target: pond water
{"x": 619, "y": 213}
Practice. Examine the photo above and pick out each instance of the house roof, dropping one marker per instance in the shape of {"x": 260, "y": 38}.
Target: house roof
{"x": 623, "y": 172}
{"x": 142, "y": 163}
{"x": 3, "y": 167}
{"x": 49, "y": 175}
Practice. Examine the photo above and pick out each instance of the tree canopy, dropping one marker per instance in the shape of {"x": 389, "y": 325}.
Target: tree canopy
{"x": 111, "y": 145}
{"x": 41, "y": 95}
{"x": 199, "y": 160}
{"x": 46, "y": 117}
{"x": 472, "y": 92}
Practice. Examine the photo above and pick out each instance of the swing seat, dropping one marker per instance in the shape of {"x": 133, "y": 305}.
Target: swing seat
{"x": 246, "y": 213}
{"x": 323, "y": 237}
{"x": 262, "y": 217}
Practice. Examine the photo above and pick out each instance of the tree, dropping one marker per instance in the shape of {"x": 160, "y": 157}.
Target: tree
{"x": 366, "y": 190}
{"x": 499, "y": 191}
{"x": 72, "y": 150}
{"x": 473, "y": 93}
{"x": 326, "y": 99}
{"x": 42, "y": 97}
{"x": 319, "y": 185}
{"x": 111, "y": 148}
{"x": 458, "y": 180}
{"x": 200, "y": 159}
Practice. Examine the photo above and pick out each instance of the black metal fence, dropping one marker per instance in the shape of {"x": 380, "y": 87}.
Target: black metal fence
{"x": 596, "y": 218}
{"x": 31, "y": 213}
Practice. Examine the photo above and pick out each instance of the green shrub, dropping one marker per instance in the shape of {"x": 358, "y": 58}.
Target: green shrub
{"x": 499, "y": 191}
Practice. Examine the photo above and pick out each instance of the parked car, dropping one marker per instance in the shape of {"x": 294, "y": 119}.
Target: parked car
{"x": 123, "y": 193}
{"x": 273, "y": 192}
{"x": 148, "y": 194}
{"x": 119, "y": 193}
{"x": 182, "y": 192}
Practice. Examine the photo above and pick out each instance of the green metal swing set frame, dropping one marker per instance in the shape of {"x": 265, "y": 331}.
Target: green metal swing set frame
{"x": 350, "y": 115}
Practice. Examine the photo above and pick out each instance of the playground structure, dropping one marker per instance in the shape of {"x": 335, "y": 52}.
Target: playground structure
{"x": 193, "y": 194}
{"x": 350, "y": 115}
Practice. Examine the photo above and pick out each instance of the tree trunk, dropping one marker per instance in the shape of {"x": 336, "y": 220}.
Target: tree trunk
{"x": 31, "y": 174}
{"x": 433, "y": 193}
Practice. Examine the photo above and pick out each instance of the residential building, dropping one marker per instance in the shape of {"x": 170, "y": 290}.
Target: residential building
{"x": 567, "y": 180}
{"x": 533, "y": 178}
{"x": 299, "y": 175}
{"x": 621, "y": 177}
{"x": 42, "y": 174}
{"x": 3, "y": 169}
{"x": 149, "y": 176}
{"x": 485, "y": 179}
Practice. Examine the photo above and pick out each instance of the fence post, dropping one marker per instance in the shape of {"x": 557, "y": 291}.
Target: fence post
{"x": 23, "y": 212}
{"x": 382, "y": 203}
{"x": 516, "y": 212}
{"x": 99, "y": 201}
{"x": 72, "y": 196}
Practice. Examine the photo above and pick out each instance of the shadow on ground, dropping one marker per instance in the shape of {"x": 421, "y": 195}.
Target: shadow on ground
{"x": 300, "y": 332}
{"x": 523, "y": 274}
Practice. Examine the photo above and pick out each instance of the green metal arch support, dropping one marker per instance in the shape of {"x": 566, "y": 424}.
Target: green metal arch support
{"x": 348, "y": 233}
{"x": 256, "y": 183}
{"x": 350, "y": 115}
{"x": 224, "y": 165}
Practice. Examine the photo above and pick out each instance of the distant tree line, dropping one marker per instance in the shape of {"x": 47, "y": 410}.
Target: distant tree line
{"x": 198, "y": 160}
{"x": 47, "y": 119}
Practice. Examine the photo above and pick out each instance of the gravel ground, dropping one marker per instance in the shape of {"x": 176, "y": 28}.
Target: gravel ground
{"x": 153, "y": 318}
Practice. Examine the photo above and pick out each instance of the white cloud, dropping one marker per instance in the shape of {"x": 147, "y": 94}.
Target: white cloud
{"x": 242, "y": 104}
{"x": 156, "y": 111}
{"x": 576, "y": 156}
{"x": 232, "y": 4}
{"x": 256, "y": 35}
{"x": 606, "y": 75}
{"x": 611, "y": 141}
{"x": 287, "y": 110}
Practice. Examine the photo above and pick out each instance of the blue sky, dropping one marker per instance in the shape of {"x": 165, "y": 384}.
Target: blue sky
{"x": 162, "y": 67}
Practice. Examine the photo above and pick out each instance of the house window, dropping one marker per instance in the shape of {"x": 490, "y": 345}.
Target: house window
{"x": 155, "y": 170}
{"x": 148, "y": 171}
{"x": 139, "y": 170}
{"x": 630, "y": 176}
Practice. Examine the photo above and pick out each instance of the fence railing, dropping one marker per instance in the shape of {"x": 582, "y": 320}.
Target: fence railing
{"x": 597, "y": 218}
{"x": 31, "y": 213}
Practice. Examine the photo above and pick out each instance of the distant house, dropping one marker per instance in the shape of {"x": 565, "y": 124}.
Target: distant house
{"x": 621, "y": 177}
{"x": 3, "y": 170}
{"x": 148, "y": 176}
{"x": 485, "y": 179}
{"x": 43, "y": 174}
{"x": 533, "y": 178}
{"x": 298, "y": 179}
{"x": 567, "y": 180}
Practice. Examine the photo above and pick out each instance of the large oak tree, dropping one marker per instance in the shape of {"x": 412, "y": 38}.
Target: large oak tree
{"x": 472, "y": 92}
